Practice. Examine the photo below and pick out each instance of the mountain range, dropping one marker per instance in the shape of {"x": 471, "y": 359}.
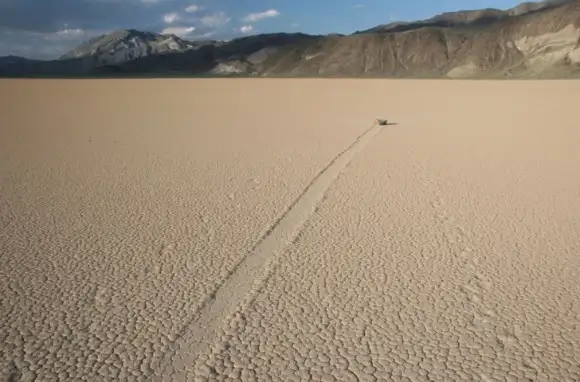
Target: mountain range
{"x": 540, "y": 39}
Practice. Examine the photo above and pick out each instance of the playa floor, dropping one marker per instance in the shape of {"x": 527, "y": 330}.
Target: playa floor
{"x": 262, "y": 229}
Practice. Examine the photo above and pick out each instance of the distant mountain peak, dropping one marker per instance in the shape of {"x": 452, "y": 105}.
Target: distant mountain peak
{"x": 129, "y": 44}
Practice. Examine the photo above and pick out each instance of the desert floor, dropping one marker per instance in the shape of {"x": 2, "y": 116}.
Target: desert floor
{"x": 267, "y": 230}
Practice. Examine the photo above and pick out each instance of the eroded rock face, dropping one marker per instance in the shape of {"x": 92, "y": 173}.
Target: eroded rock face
{"x": 232, "y": 67}
{"x": 545, "y": 50}
{"x": 260, "y": 56}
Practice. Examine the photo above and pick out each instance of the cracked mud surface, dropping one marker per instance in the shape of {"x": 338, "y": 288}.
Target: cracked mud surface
{"x": 443, "y": 248}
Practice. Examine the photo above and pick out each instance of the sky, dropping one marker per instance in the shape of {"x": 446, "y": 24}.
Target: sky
{"x": 46, "y": 29}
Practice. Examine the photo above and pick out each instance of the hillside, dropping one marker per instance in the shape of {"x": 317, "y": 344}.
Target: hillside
{"x": 478, "y": 16}
{"x": 542, "y": 43}
{"x": 530, "y": 40}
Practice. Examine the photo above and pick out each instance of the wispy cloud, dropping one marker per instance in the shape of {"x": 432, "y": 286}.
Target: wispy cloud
{"x": 359, "y": 6}
{"x": 252, "y": 17}
{"x": 67, "y": 33}
{"x": 170, "y": 18}
{"x": 192, "y": 8}
{"x": 205, "y": 35}
{"x": 179, "y": 31}
{"x": 215, "y": 20}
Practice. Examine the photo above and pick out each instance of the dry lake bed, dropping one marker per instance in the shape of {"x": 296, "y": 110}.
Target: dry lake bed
{"x": 268, "y": 229}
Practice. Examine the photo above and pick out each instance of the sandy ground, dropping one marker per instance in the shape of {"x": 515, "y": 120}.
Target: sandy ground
{"x": 264, "y": 229}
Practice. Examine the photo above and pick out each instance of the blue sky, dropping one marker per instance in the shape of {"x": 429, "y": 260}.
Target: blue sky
{"x": 48, "y": 28}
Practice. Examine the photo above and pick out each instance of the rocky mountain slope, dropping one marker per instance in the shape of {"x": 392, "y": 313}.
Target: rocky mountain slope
{"x": 531, "y": 40}
{"x": 126, "y": 45}
{"x": 479, "y": 16}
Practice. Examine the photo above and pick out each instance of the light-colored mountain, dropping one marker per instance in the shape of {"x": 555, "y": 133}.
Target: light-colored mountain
{"x": 126, "y": 45}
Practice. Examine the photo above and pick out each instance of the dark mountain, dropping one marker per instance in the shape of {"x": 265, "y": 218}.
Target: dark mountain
{"x": 15, "y": 65}
{"x": 530, "y": 40}
{"x": 14, "y": 60}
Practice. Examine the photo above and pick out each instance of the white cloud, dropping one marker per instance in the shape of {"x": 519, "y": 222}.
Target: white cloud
{"x": 170, "y": 18}
{"x": 68, "y": 33}
{"x": 215, "y": 20}
{"x": 205, "y": 35}
{"x": 178, "y": 31}
{"x": 65, "y": 35}
{"x": 246, "y": 28}
{"x": 261, "y": 15}
{"x": 192, "y": 8}
{"x": 359, "y": 6}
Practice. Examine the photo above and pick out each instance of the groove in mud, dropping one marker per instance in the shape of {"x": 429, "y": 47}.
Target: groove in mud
{"x": 202, "y": 332}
